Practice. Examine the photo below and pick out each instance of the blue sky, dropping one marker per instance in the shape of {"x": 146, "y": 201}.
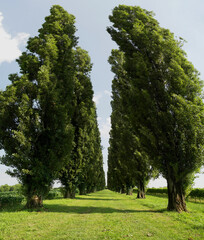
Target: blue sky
{"x": 20, "y": 19}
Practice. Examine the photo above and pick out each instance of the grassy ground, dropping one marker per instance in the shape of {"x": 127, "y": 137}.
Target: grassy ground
{"x": 104, "y": 215}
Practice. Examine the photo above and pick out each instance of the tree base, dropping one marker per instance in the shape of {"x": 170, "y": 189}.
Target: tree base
{"x": 129, "y": 191}
{"x": 177, "y": 205}
{"x": 141, "y": 195}
{"x": 69, "y": 194}
{"x": 34, "y": 202}
{"x": 176, "y": 197}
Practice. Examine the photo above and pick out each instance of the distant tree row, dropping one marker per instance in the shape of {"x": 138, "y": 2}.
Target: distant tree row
{"x": 7, "y": 188}
{"x": 48, "y": 122}
{"x": 157, "y": 108}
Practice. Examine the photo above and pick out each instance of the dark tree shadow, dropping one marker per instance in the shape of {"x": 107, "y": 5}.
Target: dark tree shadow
{"x": 158, "y": 195}
{"x": 152, "y": 206}
{"x": 193, "y": 201}
{"x": 90, "y": 210}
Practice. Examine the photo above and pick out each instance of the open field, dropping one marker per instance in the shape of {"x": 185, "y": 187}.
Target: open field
{"x": 104, "y": 215}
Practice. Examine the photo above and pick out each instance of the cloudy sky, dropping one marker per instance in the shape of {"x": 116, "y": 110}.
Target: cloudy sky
{"x": 20, "y": 19}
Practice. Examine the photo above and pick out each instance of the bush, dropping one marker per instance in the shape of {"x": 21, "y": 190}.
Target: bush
{"x": 10, "y": 199}
{"x": 157, "y": 191}
{"x": 197, "y": 193}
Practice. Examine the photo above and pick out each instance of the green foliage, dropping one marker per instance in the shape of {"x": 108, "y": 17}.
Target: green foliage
{"x": 36, "y": 109}
{"x": 163, "y": 97}
{"x": 84, "y": 168}
{"x": 129, "y": 164}
{"x": 14, "y": 188}
{"x": 197, "y": 193}
{"x": 157, "y": 191}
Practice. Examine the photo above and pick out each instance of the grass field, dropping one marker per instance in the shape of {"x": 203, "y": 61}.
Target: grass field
{"x": 104, "y": 215}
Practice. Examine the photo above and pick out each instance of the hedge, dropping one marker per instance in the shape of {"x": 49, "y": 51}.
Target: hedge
{"x": 10, "y": 199}
{"x": 197, "y": 193}
{"x": 157, "y": 191}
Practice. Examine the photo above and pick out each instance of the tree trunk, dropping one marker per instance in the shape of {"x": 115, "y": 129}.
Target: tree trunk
{"x": 70, "y": 192}
{"x": 176, "y": 197}
{"x": 34, "y": 202}
{"x": 141, "y": 190}
{"x": 67, "y": 194}
{"x": 82, "y": 189}
{"x": 129, "y": 190}
{"x": 117, "y": 190}
{"x": 73, "y": 193}
{"x": 122, "y": 190}
{"x": 91, "y": 189}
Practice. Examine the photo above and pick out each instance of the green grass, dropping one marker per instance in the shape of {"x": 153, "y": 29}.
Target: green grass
{"x": 104, "y": 215}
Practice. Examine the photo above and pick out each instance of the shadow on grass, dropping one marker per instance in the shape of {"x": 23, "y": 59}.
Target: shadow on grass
{"x": 192, "y": 201}
{"x": 89, "y": 210}
{"x": 157, "y": 195}
{"x": 152, "y": 206}
{"x": 15, "y": 208}
{"x": 100, "y": 199}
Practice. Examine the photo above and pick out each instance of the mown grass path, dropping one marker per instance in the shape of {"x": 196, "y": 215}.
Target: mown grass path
{"x": 104, "y": 215}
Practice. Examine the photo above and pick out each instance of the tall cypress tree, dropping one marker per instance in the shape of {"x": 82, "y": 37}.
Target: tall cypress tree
{"x": 127, "y": 161}
{"x": 94, "y": 177}
{"x": 36, "y": 109}
{"x": 164, "y": 100}
{"x": 81, "y": 165}
{"x": 82, "y": 102}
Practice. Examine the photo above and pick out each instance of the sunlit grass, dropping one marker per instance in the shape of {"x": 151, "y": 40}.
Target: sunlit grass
{"x": 104, "y": 215}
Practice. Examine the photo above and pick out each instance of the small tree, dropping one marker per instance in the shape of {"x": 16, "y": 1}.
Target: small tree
{"x": 36, "y": 109}
{"x": 164, "y": 97}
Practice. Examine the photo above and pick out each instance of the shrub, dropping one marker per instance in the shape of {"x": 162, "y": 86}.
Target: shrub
{"x": 197, "y": 193}
{"x": 10, "y": 199}
{"x": 157, "y": 191}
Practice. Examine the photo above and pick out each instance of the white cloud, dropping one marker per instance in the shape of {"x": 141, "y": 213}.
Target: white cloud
{"x": 97, "y": 98}
{"x": 105, "y": 128}
{"x": 9, "y": 46}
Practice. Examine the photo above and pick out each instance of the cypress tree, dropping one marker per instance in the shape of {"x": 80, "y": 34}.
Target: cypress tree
{"x": 127, "y": 161}
{"x": 86, "y": 156}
